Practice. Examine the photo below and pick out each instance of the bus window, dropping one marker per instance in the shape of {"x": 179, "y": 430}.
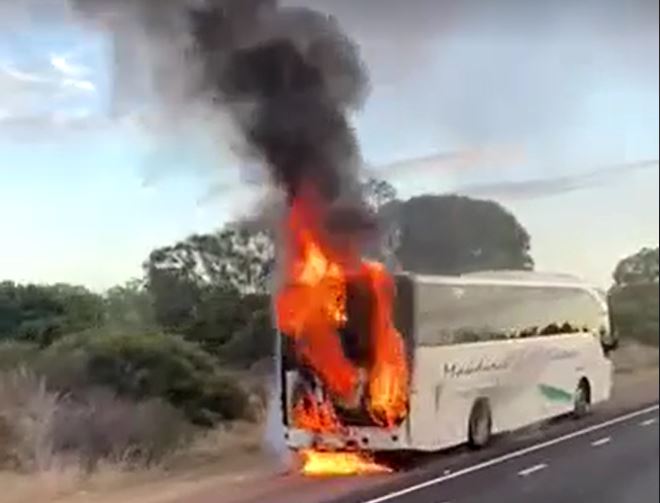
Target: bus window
{"x": 452, "y": 314}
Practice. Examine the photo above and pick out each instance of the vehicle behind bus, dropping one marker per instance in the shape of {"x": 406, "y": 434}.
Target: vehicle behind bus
{"x": 488, "y": 353}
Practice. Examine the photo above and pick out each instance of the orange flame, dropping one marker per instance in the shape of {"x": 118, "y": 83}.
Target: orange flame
{"x": 309, "y": 414}
{"x": 311, "y": 309}
{"x": 312, "y": 306}
{"x": 318, "y": 463}
{"x": 388, "y": 379}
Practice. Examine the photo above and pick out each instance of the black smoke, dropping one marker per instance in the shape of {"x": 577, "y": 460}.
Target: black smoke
{"x": 288, "y": 76}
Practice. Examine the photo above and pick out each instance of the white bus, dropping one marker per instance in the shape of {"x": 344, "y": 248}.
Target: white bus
{"x": 488, "y": 353}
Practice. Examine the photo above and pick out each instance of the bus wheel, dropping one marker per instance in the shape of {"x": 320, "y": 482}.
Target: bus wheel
{"x": 480, "y": 425}
{"x": 582, "y": 400}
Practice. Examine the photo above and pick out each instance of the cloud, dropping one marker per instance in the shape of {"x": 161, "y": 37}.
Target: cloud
{"x": 474, "y": 72}
{"x": 22, "y": 76}
{"x": 42, "y": 94}
{"x": 64, "y": 65}
{"x": 80, "y": 85}
{"x": 547, "y": 187}
{"x": 465, "y": 159}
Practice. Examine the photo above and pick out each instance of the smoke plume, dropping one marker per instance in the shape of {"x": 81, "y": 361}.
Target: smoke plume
{"x": 287, "y": 77}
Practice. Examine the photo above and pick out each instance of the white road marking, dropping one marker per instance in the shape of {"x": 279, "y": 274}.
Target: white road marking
{"x": 649, "y": 422}
{"x": 601, "y": 441}
{"x": 532, "y": 469}
{"x": 511, "y": 455}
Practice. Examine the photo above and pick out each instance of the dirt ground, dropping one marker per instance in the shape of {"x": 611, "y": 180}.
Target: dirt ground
{"x": 242, "y": 466}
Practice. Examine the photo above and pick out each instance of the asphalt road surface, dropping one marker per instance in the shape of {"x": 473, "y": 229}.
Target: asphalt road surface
{"x": 605, "y": 461}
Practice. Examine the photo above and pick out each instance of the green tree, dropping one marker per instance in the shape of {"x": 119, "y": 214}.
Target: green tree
{"x": 209, "y": 286}
{"x": 634, "y": 298}
{"x": 452, "y": 234}
{"x": 377, "y": 193}
{"x": 642, "y": 267}
{"x": 129, "y": 305}
{"x": 252, "y": 342}
{"x": 141, "y": 366}
{"x": 43, "y": 313}
{"x": 233, "y": 259}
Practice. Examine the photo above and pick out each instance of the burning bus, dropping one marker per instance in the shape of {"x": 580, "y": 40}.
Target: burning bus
{"x": 464, "y": 357}
{"x": 369, "y": 361}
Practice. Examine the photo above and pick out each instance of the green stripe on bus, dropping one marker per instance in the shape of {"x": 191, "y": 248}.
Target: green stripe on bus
{"x": 555, "y": 394}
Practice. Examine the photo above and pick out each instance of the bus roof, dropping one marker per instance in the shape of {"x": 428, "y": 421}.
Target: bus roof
{"x": 512, "y": 278}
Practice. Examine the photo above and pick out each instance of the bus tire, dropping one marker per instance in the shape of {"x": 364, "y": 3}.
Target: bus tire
{"x": 582, "y": 400}
{"x": 480, "y": 424}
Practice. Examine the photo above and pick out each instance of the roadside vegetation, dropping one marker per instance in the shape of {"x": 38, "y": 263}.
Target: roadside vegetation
{"x": 146, "y": 372}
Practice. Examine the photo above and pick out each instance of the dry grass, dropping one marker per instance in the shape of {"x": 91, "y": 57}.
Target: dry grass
{"x": 633, "y": 356}
{"x": 56, "y": 447}
{"x": 40, "y": 429}
{"x": 69, "y": 481}
{"x": 27, "y": 416}
{"x": 47, "y": 442}
{"x": 228, "y": 460}
{"x": 224, "y": 457}
{"x": 231, "y": 443}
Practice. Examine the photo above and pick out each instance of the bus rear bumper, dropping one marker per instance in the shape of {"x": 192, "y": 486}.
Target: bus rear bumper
{"x": 372, "y": 439}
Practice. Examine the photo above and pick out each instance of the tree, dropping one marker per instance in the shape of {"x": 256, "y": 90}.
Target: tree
{"x": 233, "y": 259}
{"x": 209, "y": 286}
{"x": 43, "y": 313}
{"x": 129, "y": 305}
{"x": 377, "y": 193}
{"x": 453, "y": 234}
{"x": 141, "y": 366}
{"x": 634, "y": 298}
{"x": 642, "y": 267}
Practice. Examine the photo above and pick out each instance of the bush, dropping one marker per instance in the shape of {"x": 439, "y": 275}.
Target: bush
{"x": 634, "y": 311}
{"x": 43, "y": 313}
{"x": 101, "y": 426}
{"x": 140, "y": 367}
{"x": 14, "y": 354}
{"x": 39, "y": 427}
{"x": 27, "y": 410}
{"x": 253, "y": 342}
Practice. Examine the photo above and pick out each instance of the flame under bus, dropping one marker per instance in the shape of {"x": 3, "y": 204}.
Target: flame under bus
{"x": 523, "y": 344}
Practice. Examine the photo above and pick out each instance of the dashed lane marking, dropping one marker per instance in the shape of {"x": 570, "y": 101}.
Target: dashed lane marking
{"x": 532, "y": 469}
{"x": 601, "y": 441}
{"x": 512, "y": 455}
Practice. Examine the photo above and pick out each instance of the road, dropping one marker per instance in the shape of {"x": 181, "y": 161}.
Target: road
{"x": 611, "y": 461}
{"x": 550, "y": 462}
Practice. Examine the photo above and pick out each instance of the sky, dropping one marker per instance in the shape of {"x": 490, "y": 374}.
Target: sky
{"x": 549, "y": 108}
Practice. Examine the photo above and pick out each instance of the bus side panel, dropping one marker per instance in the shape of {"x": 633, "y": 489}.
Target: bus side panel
{"x": 524, "y": 381}
{"x": 450, "y": 379}
{"x": 437, "y": 412}
{"x": 599, "y": 372}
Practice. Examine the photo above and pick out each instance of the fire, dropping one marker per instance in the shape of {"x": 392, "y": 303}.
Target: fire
{"x": 388, "y": 380}
{"x": 312, "y": 306}
{"x": 311, "y": 415}
{"x": 317, "y": 463}
{"x": 311, "y": 309}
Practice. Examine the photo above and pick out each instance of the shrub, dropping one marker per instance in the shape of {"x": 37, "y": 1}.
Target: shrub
{"x": 255, "y": 341}
{"x": 101, "y": 426}
{"x": 43, "y": 313}
{"x": 39, "y": 429}
{"x": 14, "y": 354}
{"x": 140, "y": 367}
{"x": 634, "y": 311}
{"x": 27, "y": 410}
